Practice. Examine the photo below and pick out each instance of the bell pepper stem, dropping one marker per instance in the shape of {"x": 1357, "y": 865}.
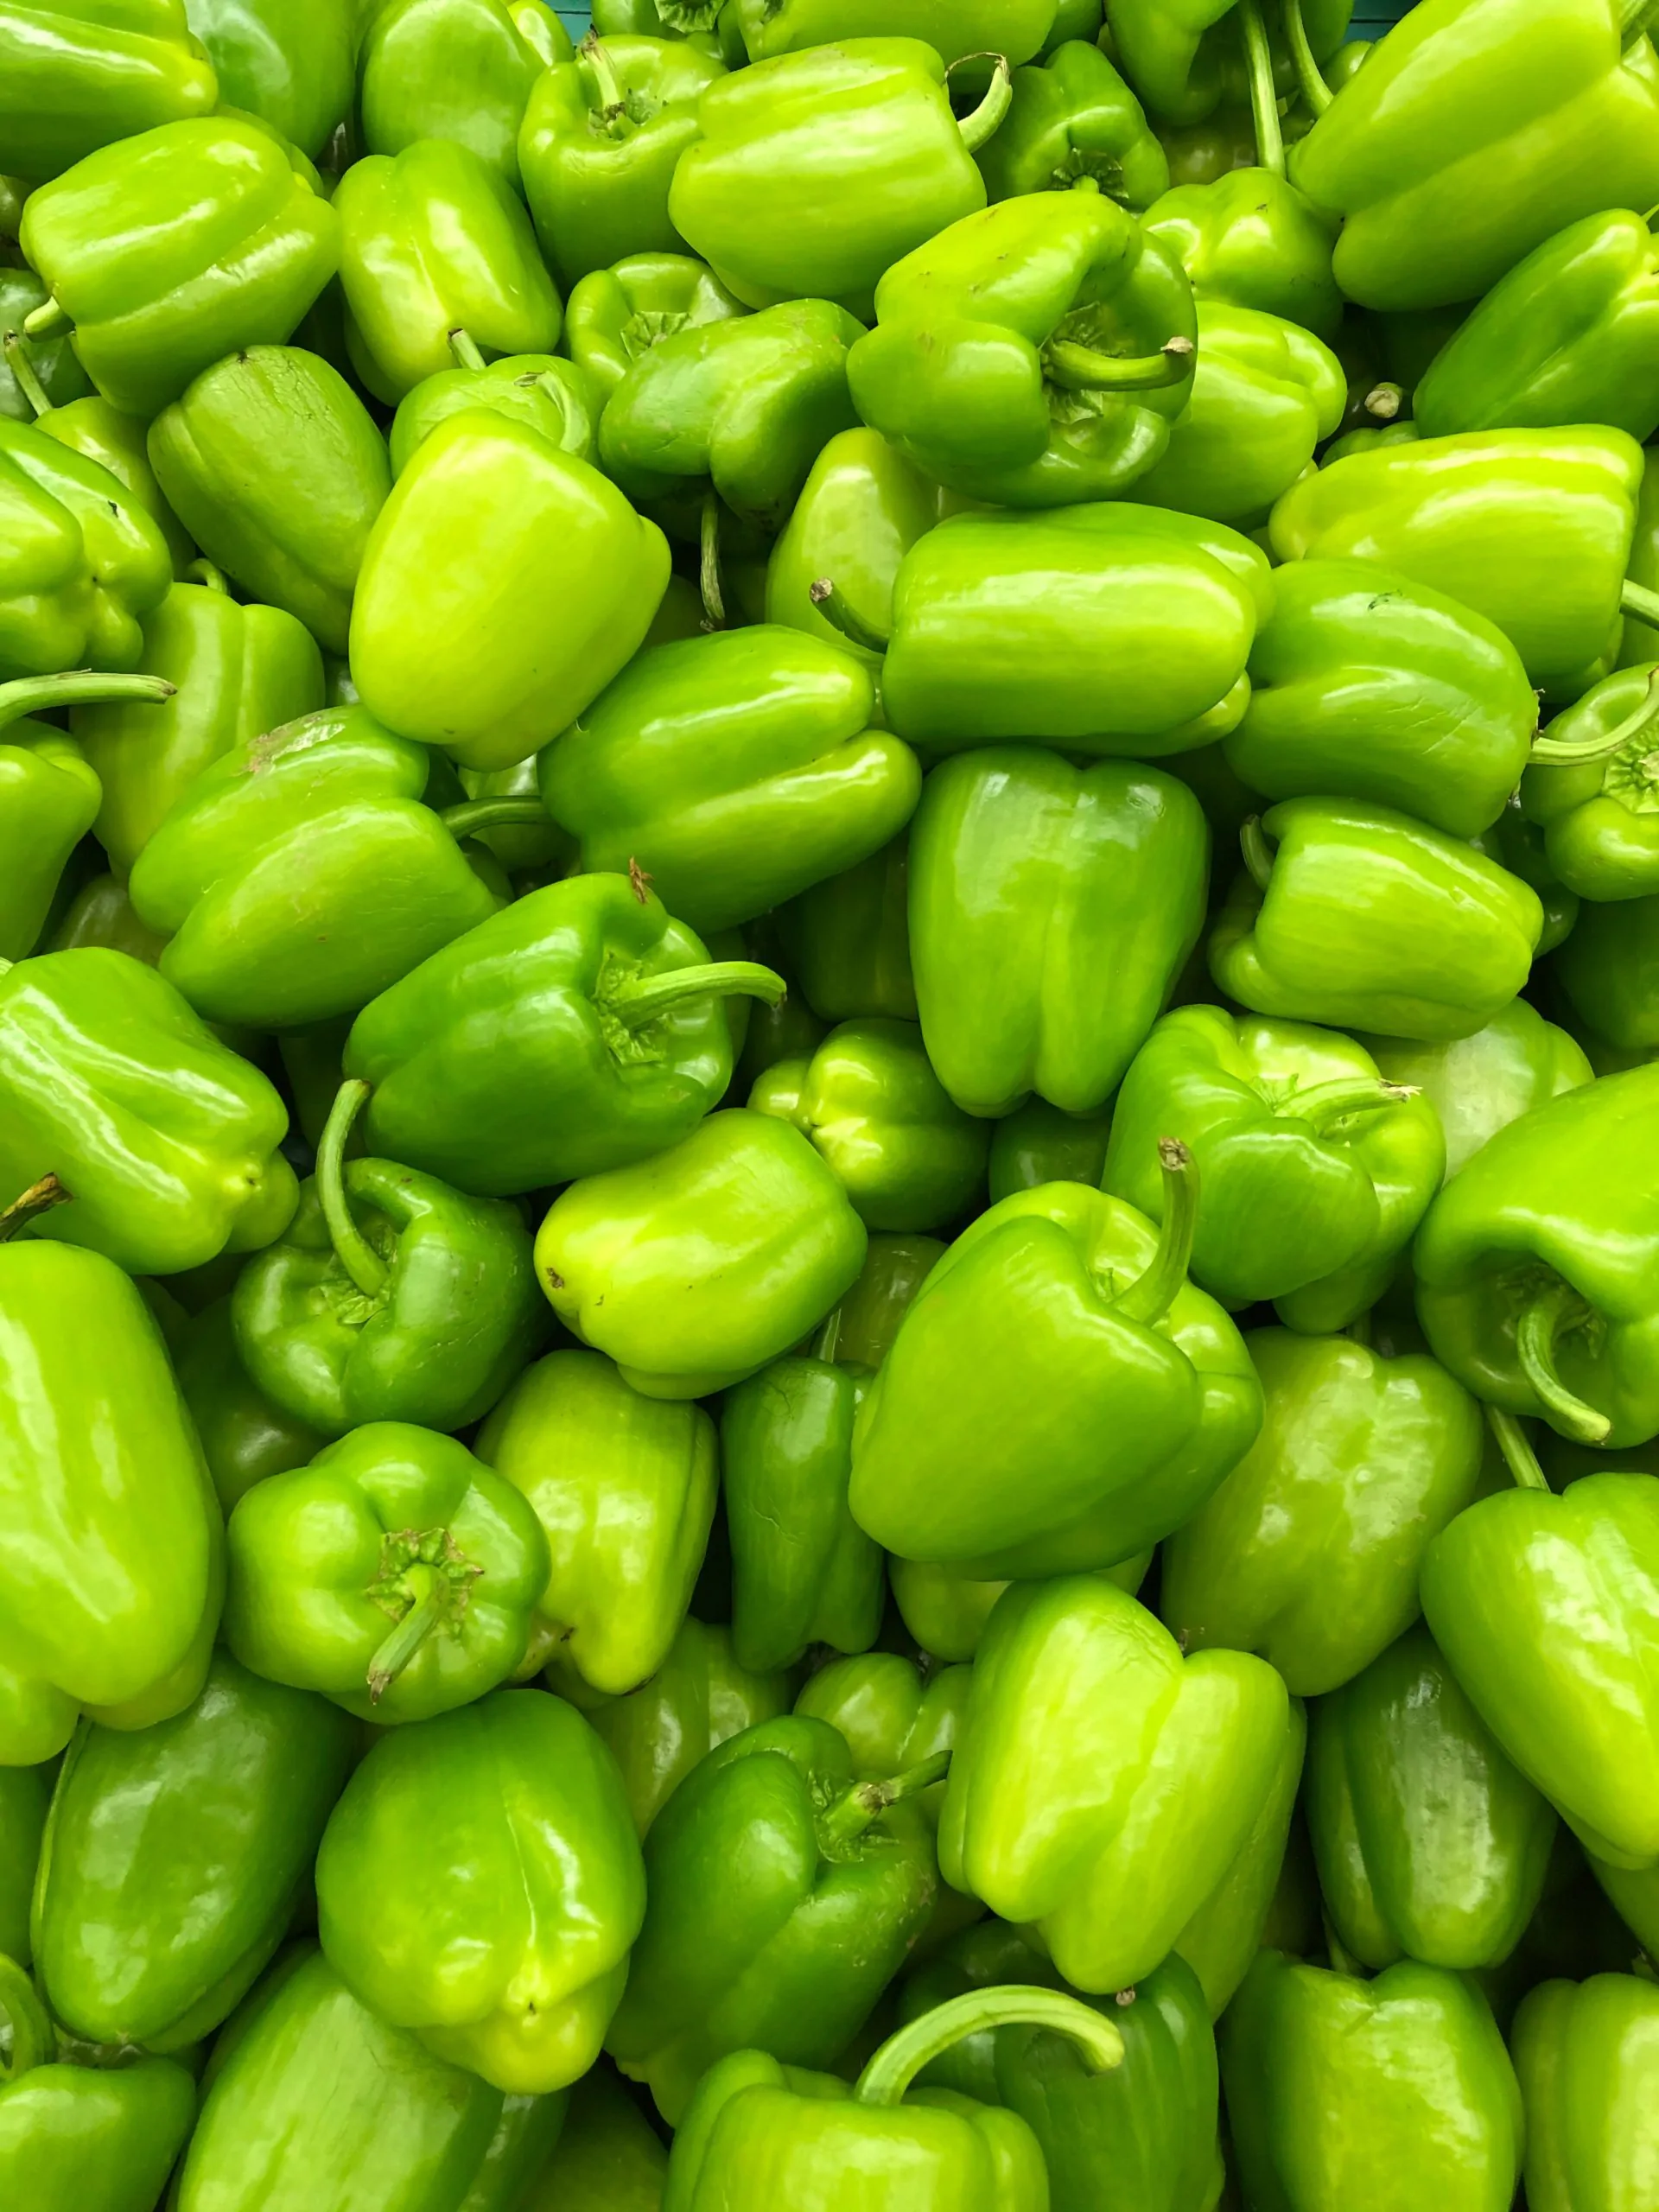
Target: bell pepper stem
{"x": 708, "y": 579}
{"x": 351, "y": 1248}
{"x": 1258, "y": 853}
{"x": 1264, "y": 94}
{"x": 203, "y": 572}
{"x": 636, "y": 1005}
{"x": 39, "y": 1198}
{"x": 826, "y": 596}
{"x": 1534, "y": 1343}
{"x": 392, "y": 1656}
{"x": 465, "y": 348}
{"x": 613, "y": 100}
{"x": 28, "y": 2041}
{"x": 901, "y": 2058}
{"x": 79, "y": 687}
{"x": 845, "y": 1819}
{"x": 475, "y": 814}
{"x": 1081, "y": 368}
{"x": 1511, "y": 1440}
{"x": 1384, "y": 401}
{"x": 1150, "y": 1296}
{"x": 980, "y": 123}
{"x": 1309, "y": 76}
{"x": 48, "y": 320}
{"x": 1325, "y": 1103}
{"x": 1636, "y": 599}
{"x": 1566, "y": 752}
{"x": 23, "y": 368}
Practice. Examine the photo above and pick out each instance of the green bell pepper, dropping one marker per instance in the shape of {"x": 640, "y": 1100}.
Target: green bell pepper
{"x": 85, "y": 565}
{"x": 100, "y": 914}
{"x": 861, "y": 508}
{"x": 1038, "y": 1143}
{"x": 174, "y": 1858}
{"x": 1534, "y": 1265}
{"x": 697, "y": 1699}
{"x": 1608, "y": 971}
{"x": 601, "y": 139}
{"x": 165, "y": 1139}
{"x": 1543, "y": 1606}
{"x": 1314, "y": 1170}
{"x": 389, "y": 1297}
{"x": 893, "y": 1715}
{"x": 116, "y": 441}
{"x": 615, "y": 316}
{"x": 1059, "y": 1396}
{"x": 907, "y": 1157}
{"x": 625, "y": 1488}
{"x": 1530, "y": 528}
{"x": 945, "y": 1610}
{"x": 77, "y": 74}
{"x": 1552, "y": 105}
{"x": 25, "y": 1793}
{"x": 169, "y": 251}
{"x": 1104, "y": 628}
{"x": 1600, "y": 815}
{"x": 1585, "y": 2059}
{"x": 955, "y": 28}
{"x": 1072, "y": 117}
{"x": 609, "y": 2159}
{"x": 459, "y": 70}
{"x": 1640, "y": 639}
{"x": 300, "y": 875}
{"x": 278, "y": 472}
{"x": 1359, "y": 917}
{"x": 1249, "y": 239}
{"x": 1102, "y": 1785}
{"x": 708, "y": 25}
{"x": 579, "y": 1030}
{"x": 1430, "y": 1845}
{"x": 761, "y": 193}
{"x": 1368, "y": 686}
{"x": 1477, "y": 1085}
{"x": 1187, "y": 57}
{"x": 113, "y": 1570}
{"x": 244, "y": 1436}
{"x": 847, "y": 940}
{"x": 433, "y": 241}
{"x": 747, "y": 1209}
{"x": 479, "y": 1882}
{"x": 736, "y": 769}
{"x": 556, "y": 398}
{"x": 782, "y": 1898}
{"x": 1051, "y": 910}
{"x": 459, "y": 656}
{"x": 757, "y": 2129}
{"x": 894, "y": 1269}
{"x": 785, "y": 1030}
{"x": 1337, "y": 2088}
{"x": 50, "y": 362}
{"x": 1310, "y": 1549}
{"x": 290, "y": 63}
{"x": 1033, "y": 355}
{"x": 396, "y": 1574}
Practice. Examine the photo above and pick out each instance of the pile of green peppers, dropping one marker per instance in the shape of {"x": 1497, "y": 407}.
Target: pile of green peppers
{"x": 828, "y": 1106}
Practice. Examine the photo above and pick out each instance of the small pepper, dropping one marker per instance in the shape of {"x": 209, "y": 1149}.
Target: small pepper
{"x": 1072, "y": 115}
{"x": 894, "y": 1713}
{"x": 1249, "y": 239}
{"x": 1600, "y": 814}
{"x": 613, "y": 317}
{"x": 556, "y": 398}
{"x": 861, "y": 508}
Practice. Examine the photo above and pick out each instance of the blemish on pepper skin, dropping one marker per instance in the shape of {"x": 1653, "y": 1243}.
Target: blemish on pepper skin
{"x": 554, "y": 1281}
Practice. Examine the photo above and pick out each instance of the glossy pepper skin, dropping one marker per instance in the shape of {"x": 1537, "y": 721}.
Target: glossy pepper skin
{"x": 578, "y": 1030}
{"x": 1361, "y": 917}
{"x": 608, "y": 2157}
{"x": 1430, "y": 1845}
{"x": 272, "y": 463}
{"x": 1038, "y": 1143}
{"x": 115, "y": 1550}
{"x": 1309, "y": 1551}
{"x": 625, "y": 1488}
{"x": 174, "y": 1858}
{"x": 80, "y": 2135}
{"x": 1033, "y": 355}
{"x": 77, "y": 78}
{"x": 1102, "y": 1785}
{"x": 847, "y": 940}
{"x": 783, "y": 1896}
{"x": 1530, "y": 528}
{"x": 395, "y": 1574}
{"x": 1532, "y": 1265}
{"x": 224, "y": 241}
{"x": 602, "y": 135}
{"x": 758, "y": 193}
{"x": 735, "y": 769}
{"x": 1071, "y": 599}
{"x": 745, "y": 1209}
{"x": 861, "y": 508}
{"x": 1477, "y": 1085}
{"x": 1609, "y": 978}
{"x": 1368, "y": 686}
{"x": 244, "y": 1435}
{"x": 51, "y": 361}
{"x": 1134, "y": 1392}
{"x": 1314, "y": 1171}
{"x": 289, "y": 64}
{"x": 1249, "y": 239}
{"x": 1600, "y": 817}
{"x": 100, "y": 432}
{"x": 1051, "y": 909}
{"x": 1185, "y": 59}
{"x": 1585, "y": 2056}
{"x": 433, "y": 241}
{"x": 554, "y": 398}
{"x": 479, "y": 1882}
{"x": 460, "y": 70}
{"x": 892, "y": 1714}
{"x": 562, "y": 535}
{"x": 954, "y": 28}
{"x": 85, "y": 566}
{"x": 615, "y": 316}
{"x": 1565, "y": 126}
{"x": 1072, "y": 117}
{"x": 1332, "y": 2083}
{"x": 166, "y": 1139}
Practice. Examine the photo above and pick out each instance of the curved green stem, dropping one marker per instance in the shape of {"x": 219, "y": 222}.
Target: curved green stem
{"x": 709, "y": 579}
{"x": 351, "y": 1248}
{"x": 1264, "y": 94}
{"x": 475, "y": 814}
{"x": 1081, "y": 368}
{"x": 553, "y": 390}
{"x": 202, "y": 571}
{"x": 394, "y": 1654}
{"x": 79, "y": 687}
{"x": 613, "y": 100}
{"x": 981, "y": 122}
{"x": 826, "y": 596}
{"x": 1636, "y": 599}
{"x": 853, "y": 1812}
{"x": 1325, "y": 1103}
{"x": 23, "y": 368}
{"x": 1148, "y": 1299}
{"x": 1511, "y": 1440}
{"x": 1258, "y": 853}
{"x": 1575, "y": 752}
{"x": 1534, "y": 1343}
{"x": 39, "y": 1198}
{"x": 465, "y": 350}
{"x": 901, "y": 2058}
{"x": 26, "y": 2037}
{"x": 1309, "y": 76}
{"x": 49, "y": 319}
{"x": 636, "y": 1005}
